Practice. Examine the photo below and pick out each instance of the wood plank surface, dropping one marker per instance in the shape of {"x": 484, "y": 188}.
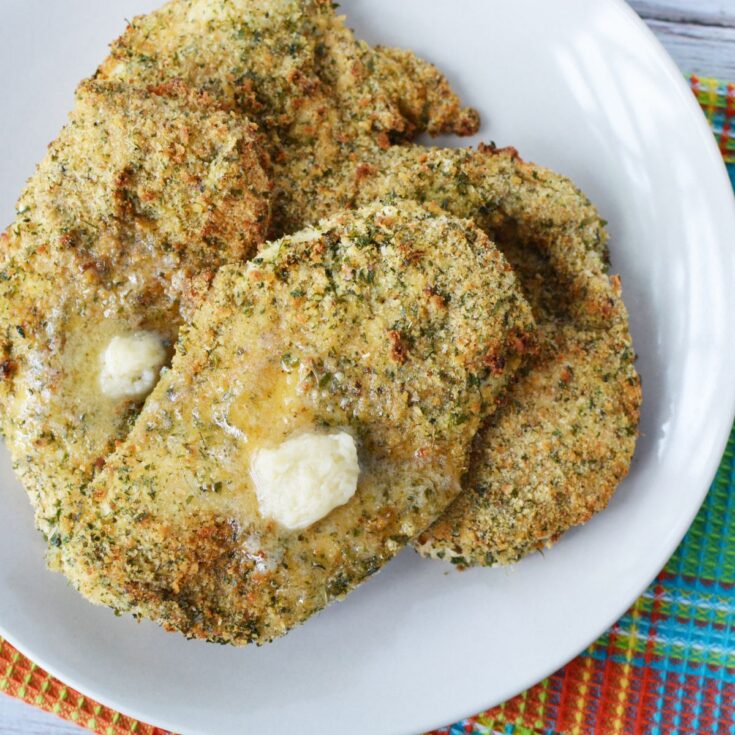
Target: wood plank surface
{"x": 704, "y": 12}
{"x": 698, "y": 49}
{"x": 18, "y": 718}
{"x": 699, "y": 34}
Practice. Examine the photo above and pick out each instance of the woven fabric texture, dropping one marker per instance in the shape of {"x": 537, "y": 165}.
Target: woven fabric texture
{"x": 666, "y": 668}
{"x": 717, "y": 99}
{"x": 20, "y": 677}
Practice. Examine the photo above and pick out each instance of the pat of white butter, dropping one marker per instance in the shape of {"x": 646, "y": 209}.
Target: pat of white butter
{"x": 305, "y": 477}
{"x": 131, "y": 365}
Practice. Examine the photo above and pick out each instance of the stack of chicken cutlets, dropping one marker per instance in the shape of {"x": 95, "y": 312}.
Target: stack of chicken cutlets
{"x": 254, "y": 340}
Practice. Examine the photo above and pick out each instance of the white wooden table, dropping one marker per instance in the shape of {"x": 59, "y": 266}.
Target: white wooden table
{"x": 699, "y": 34}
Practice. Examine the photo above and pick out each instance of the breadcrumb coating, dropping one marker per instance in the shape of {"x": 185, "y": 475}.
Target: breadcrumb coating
{"x": 397, "y": 325}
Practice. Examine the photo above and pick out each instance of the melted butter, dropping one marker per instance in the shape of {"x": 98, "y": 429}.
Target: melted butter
{"x": 245, "y": 421}
{"x": 305, "y": 477}
{"x": 131, "y": 364}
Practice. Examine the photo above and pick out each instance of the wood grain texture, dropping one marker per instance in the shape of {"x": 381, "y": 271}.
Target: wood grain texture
{"x": 18, "y": 718}
{"x": 699, "y": 34}
{"x": 703, "y": 12}
{"x": 698, "y": 49}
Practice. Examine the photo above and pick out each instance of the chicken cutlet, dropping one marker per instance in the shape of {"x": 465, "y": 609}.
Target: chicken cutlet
{"x": 330, "y": 128}
{"x": 150, "y": 241}
{"x": 317, "y": 416}
{"x": 333, "y": 149}
{"x": 140, "y": 197}
{"x": 293, "y": 67}
{"x": 557, "y": 450}
{"x": 554, "y": 454}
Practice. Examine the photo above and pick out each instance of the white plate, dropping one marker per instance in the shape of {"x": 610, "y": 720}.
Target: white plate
{"x": 584, "y": 88}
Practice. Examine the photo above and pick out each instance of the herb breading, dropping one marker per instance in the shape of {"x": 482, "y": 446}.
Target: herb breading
{"x": 554, "y": 454}
{"x": 293, "y": 67}
{"x": 557, "y": 450}
{"x": 395, "y": 324}
{"x": 399, "y": 323}
{"x": 141, "y": 196}
{"x": 514, "y": 202}
{"x": 338, "y": 152}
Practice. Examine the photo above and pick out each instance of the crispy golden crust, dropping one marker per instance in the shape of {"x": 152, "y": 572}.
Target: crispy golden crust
{"x": 142, "y": 195}
{"x": 557, "y": 450}
{"x": 395, "y": 324}
{"x": 555, "y": 454}
{"x": 331, "y": 110}
{"x": 511, "y": 200}
{"x": 292, "y": 66}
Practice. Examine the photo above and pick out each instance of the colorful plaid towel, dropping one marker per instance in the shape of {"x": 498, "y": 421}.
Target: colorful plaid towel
{"x": 718, "y": 102}
{"x": 666, "y": 668}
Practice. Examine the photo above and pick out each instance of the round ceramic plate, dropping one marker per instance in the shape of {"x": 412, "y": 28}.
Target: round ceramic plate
{"x": 581, "y": 87}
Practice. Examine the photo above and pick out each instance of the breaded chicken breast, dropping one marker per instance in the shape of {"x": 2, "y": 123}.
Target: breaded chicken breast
{"x": 554, "y": 454}
{"x": 141, "y": 197}
{"x": 158, "y": 179}
{"x": 556, "y": 451}
{"x": 293, "y": 67}
{"x": 563, "y": 441}
{"x": 332, "y": 145}
{"x": 516, "y": 203}
{"x": 317, "y": 416}
{"x": 565, "y": 438}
